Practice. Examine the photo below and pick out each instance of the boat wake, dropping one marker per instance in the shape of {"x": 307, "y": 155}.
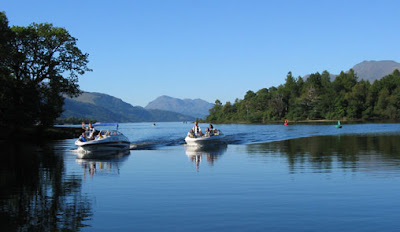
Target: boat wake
{"x": 155, "y": 144}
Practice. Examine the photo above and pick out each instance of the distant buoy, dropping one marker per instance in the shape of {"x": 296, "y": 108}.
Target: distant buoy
{"x": 338, "y": 125}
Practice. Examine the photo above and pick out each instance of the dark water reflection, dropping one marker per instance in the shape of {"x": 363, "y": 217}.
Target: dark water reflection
{"x": 325, "y": 153}
{"x": 36, "y": 192}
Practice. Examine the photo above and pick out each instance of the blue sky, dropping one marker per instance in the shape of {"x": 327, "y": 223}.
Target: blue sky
{"x": 214, "y": 49}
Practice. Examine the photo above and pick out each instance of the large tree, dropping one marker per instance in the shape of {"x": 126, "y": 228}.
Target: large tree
{"x": 44, "y": 64}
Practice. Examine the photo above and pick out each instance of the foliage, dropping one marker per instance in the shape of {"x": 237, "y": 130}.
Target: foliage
{"x": 316, "y": 97}
{"x": 74, "y": 120}
{"x": 38, "y": 64}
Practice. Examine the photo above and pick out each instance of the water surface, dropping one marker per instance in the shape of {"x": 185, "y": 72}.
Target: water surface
{"x": 268, "y": 177}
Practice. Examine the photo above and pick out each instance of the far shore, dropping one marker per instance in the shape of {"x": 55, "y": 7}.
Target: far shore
{"x": 37, "y": 135}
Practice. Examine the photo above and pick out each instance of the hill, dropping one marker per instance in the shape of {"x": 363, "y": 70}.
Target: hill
{"x": 375, "y": 70}
{"x": 194, "y": 107}
{"x": 103, "y": 107}
{"x": 371, "y": 70}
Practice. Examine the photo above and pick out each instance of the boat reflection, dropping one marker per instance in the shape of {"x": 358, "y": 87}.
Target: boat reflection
{"x": 211, "y": 153}
{"x": 108, "y": 165}
{"x": 105, "y": 154}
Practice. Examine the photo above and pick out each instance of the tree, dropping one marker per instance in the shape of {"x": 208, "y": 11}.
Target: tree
{"x": 6, "y": 82}
{"x": 316, "y": 98}
{"x": 39, "y": 64}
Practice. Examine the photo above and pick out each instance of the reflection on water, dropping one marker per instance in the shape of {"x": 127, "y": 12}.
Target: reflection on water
{"x": 98, "y": 154}
{"x": 42, "y": 187}
{"x": 36, "y": 192}
{"x": 110, "y": 166}
{"x": 211, "y": 153}
{"x": 325, "y": 153}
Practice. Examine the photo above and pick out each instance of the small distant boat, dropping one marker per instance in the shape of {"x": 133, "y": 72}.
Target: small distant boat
{"x": 205, "y": 140}
{"x": 286, "y": 123}
{"x": 338, "y": 125}
{"x": 110, "y": 140}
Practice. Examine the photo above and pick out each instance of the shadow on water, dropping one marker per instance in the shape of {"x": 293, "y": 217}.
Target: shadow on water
{"x": 36, "y": 192}
{"x": 211, "y": 153}
{"x": 324, "y": 153}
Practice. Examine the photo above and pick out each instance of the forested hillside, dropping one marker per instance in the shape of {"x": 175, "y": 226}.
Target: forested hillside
{"x": 315, "y": 98}
{"x": 197, "y": 108}
{"x": 106, "y": 108}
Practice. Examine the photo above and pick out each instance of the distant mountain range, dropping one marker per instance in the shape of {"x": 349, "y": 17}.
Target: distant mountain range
{"x": 371, "y": 70}
{"x": 106, "y": 108}
{"x": 196, "y": 108}
{"x": 103, "y": 107}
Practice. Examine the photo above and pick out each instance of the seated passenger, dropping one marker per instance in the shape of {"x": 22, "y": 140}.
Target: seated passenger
{"x": 213, "y": 131}
{"x": 191, "y": 133}
{"x": 82, "y": 138}
{"x": 208, "y": 132}
{"x": 99, "y": 136}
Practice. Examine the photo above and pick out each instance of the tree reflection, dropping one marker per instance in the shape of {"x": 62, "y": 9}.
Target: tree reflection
{"x": 37, "y": 195}
{"x": 321, "y": 152}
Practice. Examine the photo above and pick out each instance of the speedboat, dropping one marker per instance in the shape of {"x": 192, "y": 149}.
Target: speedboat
{"x": 205, "y": 140}
{"x": 105, "y": 140}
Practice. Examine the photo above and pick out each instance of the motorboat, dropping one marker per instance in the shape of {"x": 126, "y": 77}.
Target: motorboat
{"x": 205, "y": 140}
{"x": 102, "y": 140}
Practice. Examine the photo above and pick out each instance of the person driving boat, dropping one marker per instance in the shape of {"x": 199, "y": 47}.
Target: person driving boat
{"x": 197, "y": 129}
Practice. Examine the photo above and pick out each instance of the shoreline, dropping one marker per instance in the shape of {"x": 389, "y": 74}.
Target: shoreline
{"x": 36, "y": 134}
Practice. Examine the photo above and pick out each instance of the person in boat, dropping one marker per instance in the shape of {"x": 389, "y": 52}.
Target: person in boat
{"x": 82, "y": 138}
{"x": 212, "y": 130}
{"x": 99, "y": 136}
{"x": 197, "y": 129}
{"x": 191, "y": 133}
{"x": 89, "y": 130}
{"x": 208, "y": 132}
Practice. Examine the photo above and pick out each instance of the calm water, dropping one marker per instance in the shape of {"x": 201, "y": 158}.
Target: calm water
{"x": 268, "y": 178}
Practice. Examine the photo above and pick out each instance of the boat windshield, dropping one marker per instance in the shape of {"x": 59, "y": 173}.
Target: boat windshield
{"x": 106, "y": 124}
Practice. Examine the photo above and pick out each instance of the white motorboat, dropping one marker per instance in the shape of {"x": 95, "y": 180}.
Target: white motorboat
{"x": 205, "y": 140}
{"x": 104, "y": 140}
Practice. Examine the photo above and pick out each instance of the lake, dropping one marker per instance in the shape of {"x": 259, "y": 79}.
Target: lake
{"x": 267, "y": 178}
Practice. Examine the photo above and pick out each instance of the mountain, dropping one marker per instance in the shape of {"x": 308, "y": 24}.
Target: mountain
{"x": 106, "y": 108}
{"x": 371, "y": 70}
{"x": 375, "y": 70}
{"x": 197, "y": 108}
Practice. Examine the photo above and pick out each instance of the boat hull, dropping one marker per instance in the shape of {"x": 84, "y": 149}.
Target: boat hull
{"x": 102, "y": 146}
{"x": 205, "y": 141}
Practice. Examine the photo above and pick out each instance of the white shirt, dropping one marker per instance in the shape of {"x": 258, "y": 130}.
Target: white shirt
{"x": 197, "y": 130}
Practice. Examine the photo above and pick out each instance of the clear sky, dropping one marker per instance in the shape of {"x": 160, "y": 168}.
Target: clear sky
{"x": 214, "y": 49}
